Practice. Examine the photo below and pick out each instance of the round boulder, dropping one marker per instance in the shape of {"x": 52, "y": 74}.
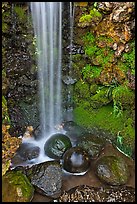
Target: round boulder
{"x": 112, "y": 170}
{"x": 56, "y": 145}
{"x": 76, "y": 160}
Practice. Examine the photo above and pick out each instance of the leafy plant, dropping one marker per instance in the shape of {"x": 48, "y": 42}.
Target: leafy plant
{"x": 127, "y": 150}
{"x": 95, "y": 13}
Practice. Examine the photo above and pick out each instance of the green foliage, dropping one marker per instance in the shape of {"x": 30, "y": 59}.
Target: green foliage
{"x": 20, "y": 13}
{"x": 89, "y": 38}
{"x": 129, "y": 58}
{"x": 123, "y": 98}
{"x": 117, "y": 110}
{"x": 85, "y": 18}
{"x": 91, "y": 72}
{"x": 95, "y": 13}
{"x": 122, "y": 145}
{"x": 102, "y": 117}
{"x": 104, "y": 55}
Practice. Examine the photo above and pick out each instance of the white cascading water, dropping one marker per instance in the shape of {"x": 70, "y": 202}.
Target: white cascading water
{"x": 47, "y": 22}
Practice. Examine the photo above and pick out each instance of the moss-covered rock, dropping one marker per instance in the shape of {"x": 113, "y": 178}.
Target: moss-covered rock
{"x": 16, "y": 187}
{"x": 56, "y": 145}
{"x": 123, "y": 97}
{"x": 112, "y": 170}
{"x": 82, "y": 90}
{"x": 92, "y": 144}
{"x": 102, "y": 117}
{"x": 100, "y": 98}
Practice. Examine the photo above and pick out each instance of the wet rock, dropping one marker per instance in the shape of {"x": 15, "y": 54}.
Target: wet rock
{"x": 123, "y": 12}
{"x": 92, "y": 144}
{"x": 115, "y": 46}
{"x": 16, "y": 187}
{"x": 119, "y": 50}
{"x": 105, "y": 7}
{"x": 76, "y": 160}
{"x": 46, "y": 177}
{"x": 56, "y": 145}
{"x": 86, "y": 193}
{"x": 28, "y": 151}
{"x": 73, "y": 130}
{"x": 68, "y": 80}
{"x": 112, "y": 170}
{"x": 75, "y": 49}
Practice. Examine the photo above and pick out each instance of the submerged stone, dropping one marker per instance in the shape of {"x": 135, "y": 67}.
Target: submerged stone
{"x": 76, "y": 160}
{"x": 16, "y": 187}
{"x": 112, "y": 170}
{"x": 28, "y": 151}
{"x": 56, "y": 145}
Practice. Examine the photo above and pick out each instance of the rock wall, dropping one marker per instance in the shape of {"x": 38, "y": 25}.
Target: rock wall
{"x": 105, "y": 71}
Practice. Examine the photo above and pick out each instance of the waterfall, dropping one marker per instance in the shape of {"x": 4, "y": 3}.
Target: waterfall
{"x": 47, "y": 22}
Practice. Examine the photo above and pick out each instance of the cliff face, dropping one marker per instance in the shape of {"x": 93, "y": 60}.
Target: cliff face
{"x": 105, "y": 89}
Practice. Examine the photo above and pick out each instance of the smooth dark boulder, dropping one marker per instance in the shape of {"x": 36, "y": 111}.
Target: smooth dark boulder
{"x": 76, "y": 160}
{"x": 56, "y": 145}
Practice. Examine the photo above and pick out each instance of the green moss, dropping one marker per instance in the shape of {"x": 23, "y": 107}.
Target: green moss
{"x": 100, "y": 98}
{"x": 129, "y": 58}
{"x": 90, "y": 72}
{"x": 82, "y": 89}
{"x": 104, "y": 55}
{"x": 102, "y": 118}
{"x": 95, "y": 13}
{"x": 18, "y": 187}
{"x": 94, "y": 88}
{"x": 89, "y": 38}
{"x": 20, "y": 13}
{"x": 123, "y": 97}
{"x": 87, "y": 18}
{"x": 105, "y": 39}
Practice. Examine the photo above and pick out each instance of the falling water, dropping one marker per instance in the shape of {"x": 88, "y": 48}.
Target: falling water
{"x": 47, "y": 21}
